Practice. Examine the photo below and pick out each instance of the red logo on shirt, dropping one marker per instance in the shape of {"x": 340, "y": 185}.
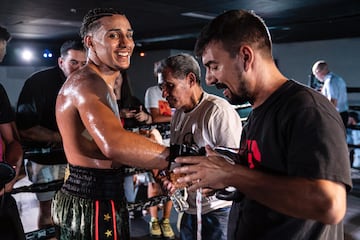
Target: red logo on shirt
{"x": 164, "y": 108}
{"x": 253, "y": 153}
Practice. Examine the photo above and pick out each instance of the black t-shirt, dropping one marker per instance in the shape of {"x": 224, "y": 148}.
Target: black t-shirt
{"x": 295, "y": 132}
{"x": 37, "y": 99}
{"x": 6, "y": 112}
{"x": 36, "y": 106}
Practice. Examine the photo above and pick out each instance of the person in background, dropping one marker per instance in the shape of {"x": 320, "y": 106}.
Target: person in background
{"x": 293, "y": 180}
{"x": 354, "y": 138}
{"x": 131, "y": 109}
{"x": 134, "y": 118}
{"x": 155, "y": 103}
{"x": 334, "y": 88}
{"x": 314, "y": 83}
{"x": 160, "y": 113}
{"x": 12, "y": 154}
{"x": 96, "y": 145}
{"x": 35, "y": 118}
{"x": 200, "y": 119}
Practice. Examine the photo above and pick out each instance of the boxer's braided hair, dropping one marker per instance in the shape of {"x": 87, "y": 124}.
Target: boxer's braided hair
{"x": 90, "y": 19}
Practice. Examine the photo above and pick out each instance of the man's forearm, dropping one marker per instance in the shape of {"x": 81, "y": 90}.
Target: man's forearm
{"x": 14, "y": 154}
{"x": 40, "y": 134}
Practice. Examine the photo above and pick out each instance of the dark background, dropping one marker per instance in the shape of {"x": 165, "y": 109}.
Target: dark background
{"x": 163, "y": 24}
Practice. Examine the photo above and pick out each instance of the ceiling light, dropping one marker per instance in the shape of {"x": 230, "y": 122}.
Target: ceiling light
{"x": 202, "y": 15}
{"x": 27, "y": 55}
{"x": 166, "y": 38}
{"x": 55, "y": 22}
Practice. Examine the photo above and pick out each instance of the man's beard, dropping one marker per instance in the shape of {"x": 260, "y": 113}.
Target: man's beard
{"x": 234, "y": 98}
{"x": 237, "y": 100}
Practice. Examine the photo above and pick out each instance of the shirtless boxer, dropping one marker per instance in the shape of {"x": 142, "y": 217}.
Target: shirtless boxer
{"x": 91, "y": 203}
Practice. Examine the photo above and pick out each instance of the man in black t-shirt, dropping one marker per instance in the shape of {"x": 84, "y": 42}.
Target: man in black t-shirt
{"x": 292, "y": 180}
{"x": 35, "y": 117}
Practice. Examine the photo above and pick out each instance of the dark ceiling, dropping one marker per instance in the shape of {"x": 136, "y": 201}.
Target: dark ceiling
{"x": 160, "y": 24}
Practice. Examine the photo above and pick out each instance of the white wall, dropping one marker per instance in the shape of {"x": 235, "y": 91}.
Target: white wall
{"x": 295, "y": 60}
{"x": 13, "y": 78}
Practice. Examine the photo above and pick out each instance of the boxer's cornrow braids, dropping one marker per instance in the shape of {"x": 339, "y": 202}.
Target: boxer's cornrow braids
{"x": 89, "y": 21}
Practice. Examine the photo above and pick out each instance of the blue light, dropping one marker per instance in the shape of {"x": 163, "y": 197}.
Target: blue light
{"x": 47, "y": 53}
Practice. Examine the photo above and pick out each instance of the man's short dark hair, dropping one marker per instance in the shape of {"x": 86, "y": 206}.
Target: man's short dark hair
{"x": 4, "y": 34}
{"x": 90, "y": 19}
{"x": 234, "y": 28}
{"x": 75, "y": 44}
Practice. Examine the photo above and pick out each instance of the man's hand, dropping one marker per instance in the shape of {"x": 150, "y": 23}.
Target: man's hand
{"x": 204, "y": 172}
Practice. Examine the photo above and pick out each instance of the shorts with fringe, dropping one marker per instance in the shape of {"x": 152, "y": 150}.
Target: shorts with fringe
{"x": 91, "y": 205}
